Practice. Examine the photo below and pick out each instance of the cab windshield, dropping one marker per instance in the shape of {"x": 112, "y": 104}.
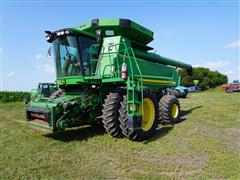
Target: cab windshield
{"x": 72, "y": 55}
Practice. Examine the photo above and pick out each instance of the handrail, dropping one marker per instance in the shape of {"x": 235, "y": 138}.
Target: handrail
{"x": 127, "y": 52}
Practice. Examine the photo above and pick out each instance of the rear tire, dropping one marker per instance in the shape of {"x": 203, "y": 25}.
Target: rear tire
{"x": 174, "y": 93}
{"x": 110, "y": 114}
{"x": 169, "y": 109}
{"x": 149, "y": 123}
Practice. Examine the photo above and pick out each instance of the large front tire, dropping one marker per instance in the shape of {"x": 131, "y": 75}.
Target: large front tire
{"x": 110, "y": 114}
{"x": 149, "y": 119}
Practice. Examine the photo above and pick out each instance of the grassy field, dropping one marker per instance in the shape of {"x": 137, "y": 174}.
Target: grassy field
{"x": 205, "y": 145}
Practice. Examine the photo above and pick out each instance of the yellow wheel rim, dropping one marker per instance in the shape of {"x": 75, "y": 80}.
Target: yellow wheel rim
{"x": 174, "y": 110}
{"x": 149, "y": 114}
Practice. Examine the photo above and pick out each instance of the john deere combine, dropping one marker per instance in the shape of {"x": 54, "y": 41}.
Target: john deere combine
{"x": 106, "y": 73}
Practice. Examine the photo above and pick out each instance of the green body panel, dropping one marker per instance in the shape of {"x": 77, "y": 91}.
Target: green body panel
{"x": 160, "y": 59}
{"x": 153, "y": 73}
{"x": 84, "y": 95}
{"x": 121, "y": 27}
{"x": 71, "y": 80}
{"x": 42, "y": 103}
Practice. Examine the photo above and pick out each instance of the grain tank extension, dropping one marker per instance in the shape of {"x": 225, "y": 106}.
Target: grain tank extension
{"x": 106, "y": 74}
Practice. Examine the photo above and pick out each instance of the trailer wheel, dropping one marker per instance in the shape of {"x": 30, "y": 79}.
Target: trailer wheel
{"x": 110, "y": 114}
{"x": 169, "y": 109}
{"x": 149, "y": 120}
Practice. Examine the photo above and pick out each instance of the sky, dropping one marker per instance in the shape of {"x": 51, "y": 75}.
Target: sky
{"x": 201, "y": 33}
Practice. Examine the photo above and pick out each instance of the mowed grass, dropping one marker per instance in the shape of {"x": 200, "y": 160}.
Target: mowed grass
{"x": 205, "y": 145}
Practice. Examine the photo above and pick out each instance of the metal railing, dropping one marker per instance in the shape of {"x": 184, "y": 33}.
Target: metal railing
{"x": 128, "y": 55}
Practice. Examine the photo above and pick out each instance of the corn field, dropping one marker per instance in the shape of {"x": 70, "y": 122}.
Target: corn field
{"x": 8, "y": 96}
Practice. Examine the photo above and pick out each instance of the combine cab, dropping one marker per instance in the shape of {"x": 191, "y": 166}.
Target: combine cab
{"x": 44, "y": 90}
{"x": 106, "y": 72}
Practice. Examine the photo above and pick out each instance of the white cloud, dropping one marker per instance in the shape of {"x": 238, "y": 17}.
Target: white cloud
{"x": 229, "y": 72}
{"x": 39, "y": 56}
{"x": 213, "y": 64}
{"x": 235, "y": 44}
{"x": 233, "y": 74}
{"x": 217, "y": 64}
{"x": 47, "y": 68}
{"x": 10, "y": 74}
{"x": 238, "y": 68}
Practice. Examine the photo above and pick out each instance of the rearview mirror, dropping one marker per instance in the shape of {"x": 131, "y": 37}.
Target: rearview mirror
{"x": 49, "y": 52}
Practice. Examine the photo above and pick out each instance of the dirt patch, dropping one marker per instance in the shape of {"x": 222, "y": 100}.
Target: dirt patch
{"x": 229, "y": 136}
{"x": 232, "y": 130}
{"x": 180, "y": 173}
{"x": 183, "y": 165}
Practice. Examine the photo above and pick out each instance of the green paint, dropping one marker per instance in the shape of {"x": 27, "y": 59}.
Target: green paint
{"x": 95, "y": 70}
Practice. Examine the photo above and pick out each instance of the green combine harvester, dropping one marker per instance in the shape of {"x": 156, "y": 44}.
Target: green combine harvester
{"x": 106, "y": 74}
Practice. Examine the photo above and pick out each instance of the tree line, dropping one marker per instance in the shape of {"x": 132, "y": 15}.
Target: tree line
{"x": 8, "y": 96}
{"x": 205, "y": 77}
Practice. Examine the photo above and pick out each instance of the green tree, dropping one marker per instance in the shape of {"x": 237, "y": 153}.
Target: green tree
{"x": 207, "y": 78}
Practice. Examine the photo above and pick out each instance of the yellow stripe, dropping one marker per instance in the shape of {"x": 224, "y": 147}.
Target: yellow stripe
{"x": 159, "y": 81}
